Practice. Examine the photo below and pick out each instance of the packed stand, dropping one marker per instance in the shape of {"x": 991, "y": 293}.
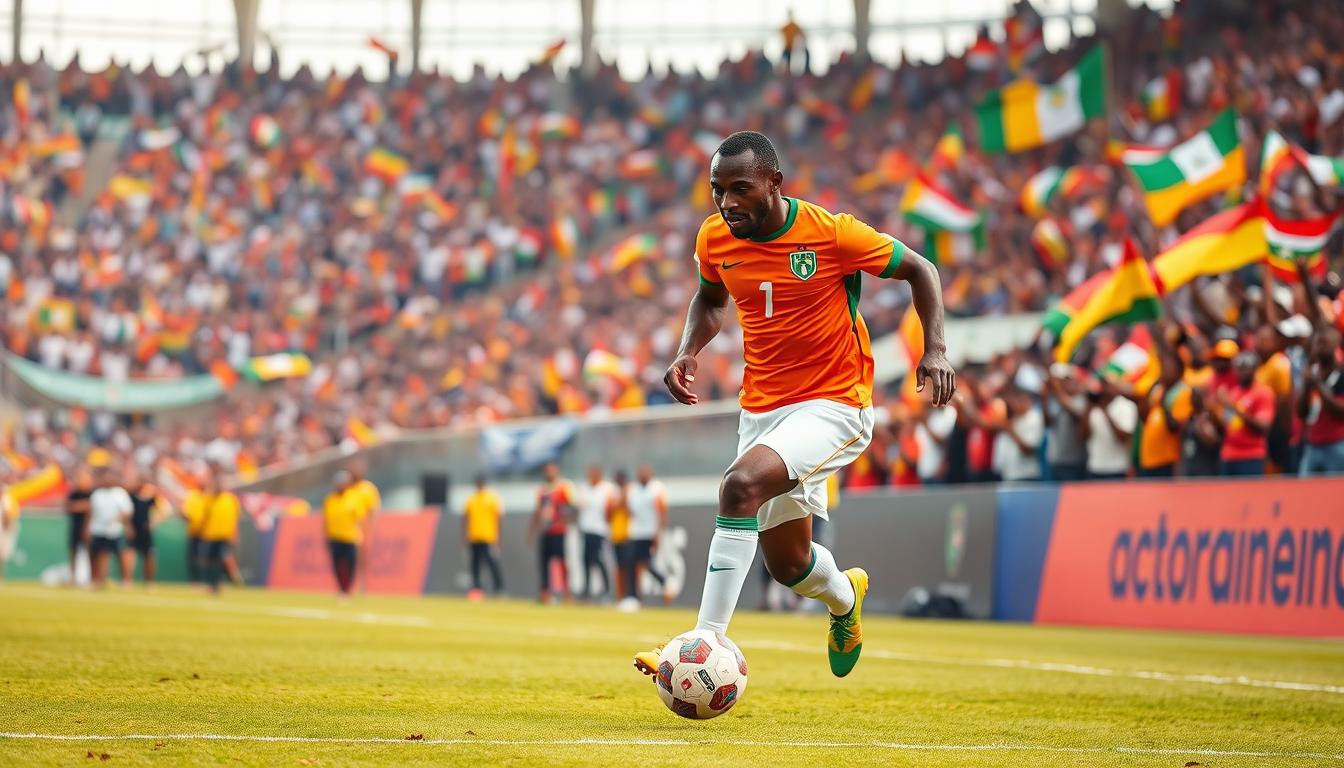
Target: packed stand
{"x": 457, "y": 253}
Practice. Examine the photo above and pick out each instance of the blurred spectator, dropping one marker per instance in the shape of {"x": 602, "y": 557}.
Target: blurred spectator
{"x": 345, "y": 524}
{"x": 592, "y": 523}
{"x": 1065, "y": 412}
{"x": 1245, "y": 418}
{"x": 1018, "y": 438}
{"x": 1166, "y": 411}
{"x": 1108, "y": 429}
{"x": 481, "y": 516}
{"x": 110, "y": 511}
{"x": 1322, "y": 406}
{"x": 219, "y": 535}
{"x": 554, "y": 510}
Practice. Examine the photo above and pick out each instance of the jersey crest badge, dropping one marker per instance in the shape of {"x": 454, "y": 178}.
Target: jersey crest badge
{"x": 803, "y": 264}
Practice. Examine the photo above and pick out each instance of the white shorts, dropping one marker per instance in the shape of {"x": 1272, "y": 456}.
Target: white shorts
{"x": 815, "y": 438}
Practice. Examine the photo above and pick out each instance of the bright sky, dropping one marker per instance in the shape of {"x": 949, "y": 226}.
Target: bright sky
{"x": 504, "y": 35}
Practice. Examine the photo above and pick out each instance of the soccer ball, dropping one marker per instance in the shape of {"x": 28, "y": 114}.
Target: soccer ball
{"x": 701, "y": 674}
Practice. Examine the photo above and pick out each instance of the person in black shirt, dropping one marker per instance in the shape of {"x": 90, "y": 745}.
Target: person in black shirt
{"x": 77, "y": 513}
{"x": 145, "y": 500}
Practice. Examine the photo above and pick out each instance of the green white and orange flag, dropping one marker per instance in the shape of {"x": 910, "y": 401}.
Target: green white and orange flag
{"x": 1290, "y": 240}
{"x": 1325, "y": 171}
{"x": 1226, "y": 241}
{"x": 1203, "y": 165}
{"x": 1128, "y": 293}
{"x": 1053, "y": 180}
{"x": 1135, "y": 362}
{"x": 1026, "y": 114}
{"x": 932, "y": 207}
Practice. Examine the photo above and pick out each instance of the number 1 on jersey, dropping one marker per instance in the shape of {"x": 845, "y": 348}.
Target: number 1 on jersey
{"x": 769, "y": 289}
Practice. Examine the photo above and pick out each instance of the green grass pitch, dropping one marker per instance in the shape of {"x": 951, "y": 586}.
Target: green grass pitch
{"x": 407, "y": 681}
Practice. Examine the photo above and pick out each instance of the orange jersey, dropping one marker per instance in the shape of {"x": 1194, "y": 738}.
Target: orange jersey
{"x": 797, "y": 297}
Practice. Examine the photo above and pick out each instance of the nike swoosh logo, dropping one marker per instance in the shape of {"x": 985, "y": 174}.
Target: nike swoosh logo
{"x": 715, "y": 568}
{"x": 726, "y": 265}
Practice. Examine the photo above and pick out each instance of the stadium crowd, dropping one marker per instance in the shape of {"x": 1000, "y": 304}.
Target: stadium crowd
{"x": 452, "y": 253}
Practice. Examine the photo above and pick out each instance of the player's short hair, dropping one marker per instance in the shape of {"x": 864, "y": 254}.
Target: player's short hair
{"x": 757, "y": 143}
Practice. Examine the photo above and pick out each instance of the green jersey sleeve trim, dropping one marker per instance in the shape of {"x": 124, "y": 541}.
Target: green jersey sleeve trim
{"x": 705, "y": 281}
{"x": 897, "y": 251}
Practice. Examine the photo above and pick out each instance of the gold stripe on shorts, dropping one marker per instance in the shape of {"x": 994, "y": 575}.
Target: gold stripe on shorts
{"x": 837, "y": 452}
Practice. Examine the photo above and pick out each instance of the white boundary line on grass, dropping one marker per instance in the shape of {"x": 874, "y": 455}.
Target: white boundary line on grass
{"x": 889, "y": 745}
{"x": 323, "y": 614}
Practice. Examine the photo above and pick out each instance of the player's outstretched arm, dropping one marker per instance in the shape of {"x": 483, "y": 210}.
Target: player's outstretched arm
{"x": 704, "y": 318}
{"x": 927, "y": 291}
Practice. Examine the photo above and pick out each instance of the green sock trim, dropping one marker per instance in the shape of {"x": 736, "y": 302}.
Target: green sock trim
{"x": 736, "y": 523}
{"x": 810, "y": 565}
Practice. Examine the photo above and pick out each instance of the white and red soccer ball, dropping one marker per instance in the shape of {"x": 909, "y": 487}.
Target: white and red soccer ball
{"x": 701, "y": 674}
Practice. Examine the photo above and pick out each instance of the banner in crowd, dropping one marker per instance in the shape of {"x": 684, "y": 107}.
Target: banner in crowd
{"x": 1257, "y": 556}
{"x": 97, "y": 393}
{"x": 394, "y": 560}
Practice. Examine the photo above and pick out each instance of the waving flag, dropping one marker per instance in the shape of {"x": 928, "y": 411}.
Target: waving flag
{"x": 565, "y": 236}
{"x": 932, "y": 207}
{"x": 1224, "y": 242}
{"x": 385, "y": 164}
{"x": 630, "y": 250}
{"x": 1203, "y": 165}
{"x": 1292, "y": 240}
{"x": 1325, "y": 171}
{"x": 1128, "y": 293}
{"x": 950, "y": 149}
{"x": 1026, "y": 114}
{"x": 1276, "y": 156}
{"x": 1135, "y": 362}
{"x": 283, "y": 365}
{"x": 1162, "y": 95}
{"x": 1047, "y": 237}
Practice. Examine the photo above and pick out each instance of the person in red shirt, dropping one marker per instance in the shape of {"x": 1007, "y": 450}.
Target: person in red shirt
{"x": 1322, "y": 406}
{"x": 555, "y": 508}
{"x": 1247, "y": 412}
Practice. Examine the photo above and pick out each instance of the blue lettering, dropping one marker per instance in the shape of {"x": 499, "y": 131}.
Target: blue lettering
{"x": 1157, "y": 557}
{"x": 1260, "y": 544}
{"x": 1178, "y": 576}
{"x": 1221, "y": 586}
{"x": 1284, "y": 551}
{"x": 1140, "y": 586}
{"x": 1339, "y": 573}
{"x": 1118, "y": 582}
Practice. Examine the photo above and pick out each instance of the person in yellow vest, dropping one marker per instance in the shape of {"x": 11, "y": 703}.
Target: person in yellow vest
{"x": 480, "y": 531}
{"x": 792, "y": 35}
{"x": 219, "y": 534}
{"x": 370, "y": 502}
{"x": 193, "y": 512}
{"x": 9, "y": 524}
{"x": 618, "y": 518}
{"x": 343, "y": 515}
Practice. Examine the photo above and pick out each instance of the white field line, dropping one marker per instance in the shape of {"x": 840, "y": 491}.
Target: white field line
{"x": 888, "y": 745}
{"x": 322, "y": 614}
{"x": 1072, "y": 669}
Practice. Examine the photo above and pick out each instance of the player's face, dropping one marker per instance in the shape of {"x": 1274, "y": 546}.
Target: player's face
{"x": 742, "y": 192}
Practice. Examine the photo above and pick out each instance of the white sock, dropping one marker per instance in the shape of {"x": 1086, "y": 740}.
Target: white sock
{"x": 825, "y": 582}
{"x": 731, "y": 553}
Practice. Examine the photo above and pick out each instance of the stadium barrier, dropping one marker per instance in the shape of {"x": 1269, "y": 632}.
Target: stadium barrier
{"x": 1255, "y": 556}
{"x": 943, "y": 542}
{"x": 40, "y": 553}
